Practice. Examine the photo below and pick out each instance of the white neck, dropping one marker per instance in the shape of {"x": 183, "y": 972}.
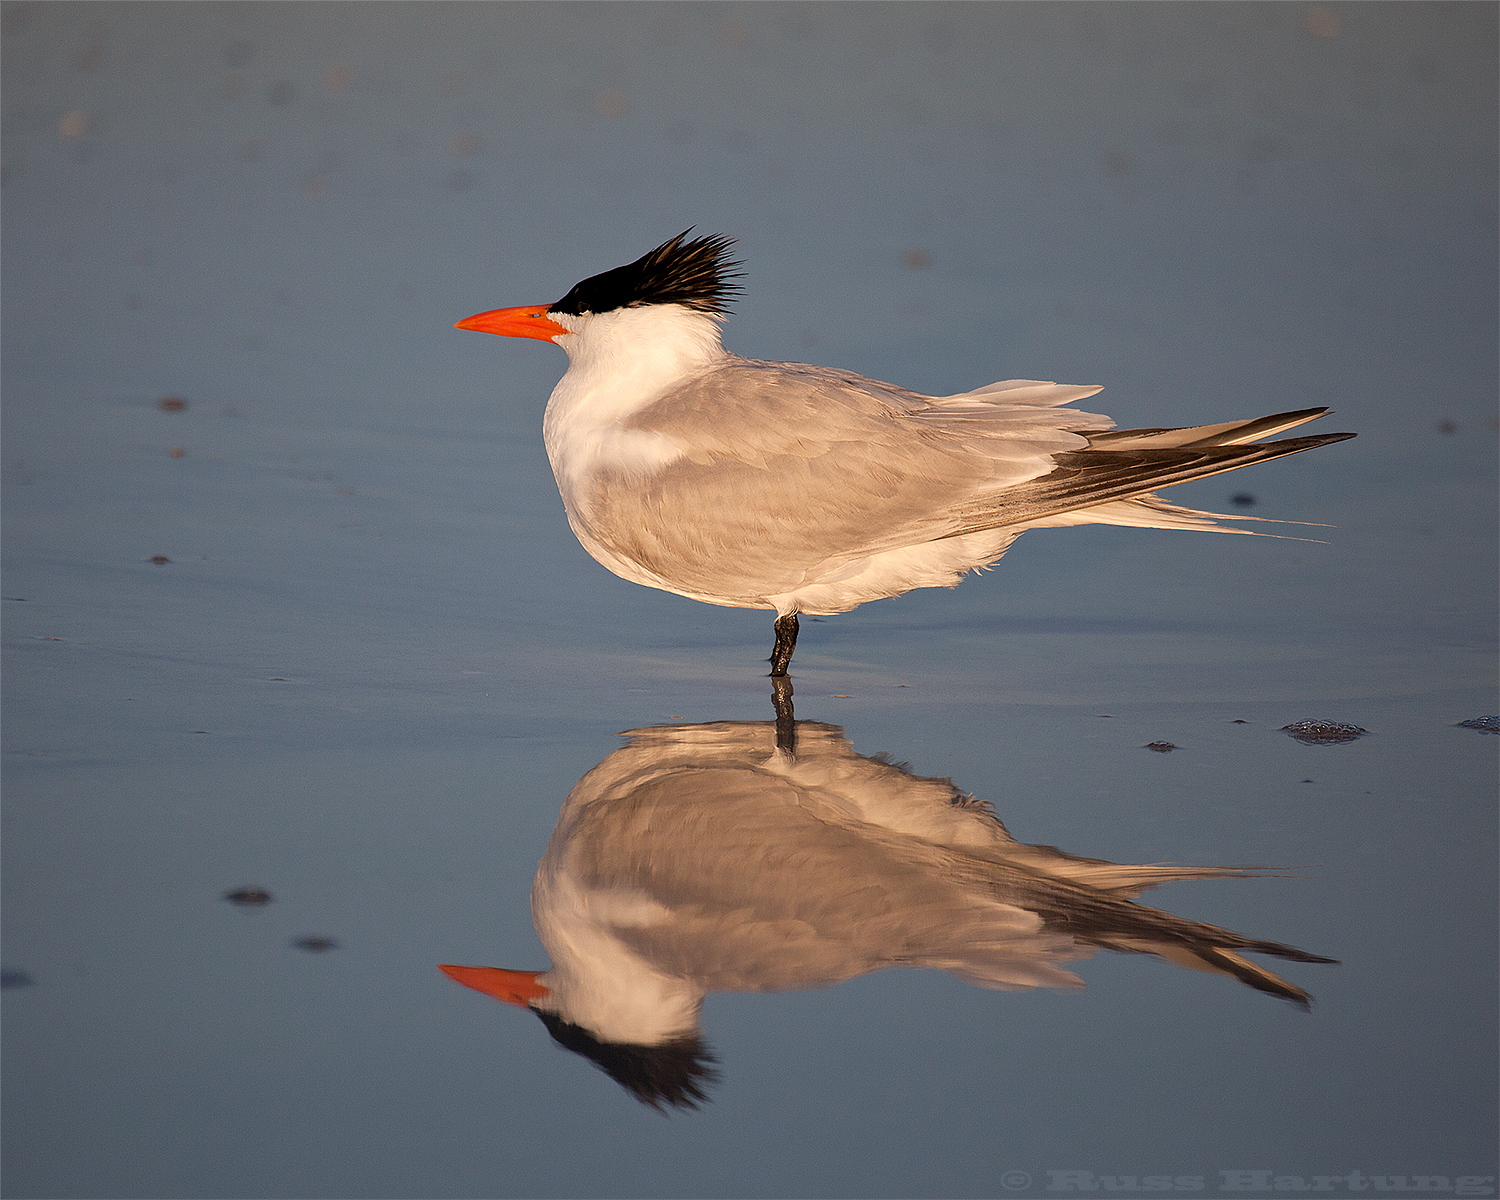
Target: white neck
{"x": 596, "y": 981}
{"x": 620, "y": 361}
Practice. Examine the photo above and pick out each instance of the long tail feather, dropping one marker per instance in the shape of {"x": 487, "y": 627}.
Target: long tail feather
{"x": 1230, "y": 433}
{"x": 1085, "y": 478}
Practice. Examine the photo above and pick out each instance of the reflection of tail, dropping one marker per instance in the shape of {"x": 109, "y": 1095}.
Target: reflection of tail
{"x": 676, "y": 1072}
{"x": 1099, "y": 912}
{"x": 1208, "y": 948}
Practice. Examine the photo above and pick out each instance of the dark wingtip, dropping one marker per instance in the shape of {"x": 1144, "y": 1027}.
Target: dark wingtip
{"x": 1296, "y": 445}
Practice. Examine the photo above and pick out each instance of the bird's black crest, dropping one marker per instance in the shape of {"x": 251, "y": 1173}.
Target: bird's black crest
{"x": 696, "y": 274}
{"x": 675, "y": 1073}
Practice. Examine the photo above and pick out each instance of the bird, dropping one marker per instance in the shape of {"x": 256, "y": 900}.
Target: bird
{"x": 811, "y": 490}
{"x": 706, "y": 858}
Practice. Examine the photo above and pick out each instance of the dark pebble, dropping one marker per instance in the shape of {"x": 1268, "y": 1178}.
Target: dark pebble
{"x": 1323, "y": 733}
{"x": 249, "y": 897}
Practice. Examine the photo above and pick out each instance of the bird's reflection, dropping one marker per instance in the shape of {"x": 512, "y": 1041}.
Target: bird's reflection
{"x": 768, "y": 856}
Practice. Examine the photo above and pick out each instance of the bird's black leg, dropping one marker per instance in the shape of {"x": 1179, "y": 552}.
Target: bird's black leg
{"x": 786, "y": 719}
{"x": 786, "y": 642}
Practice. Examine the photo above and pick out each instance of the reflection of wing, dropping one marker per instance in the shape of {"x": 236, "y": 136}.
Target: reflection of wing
{"x": 722, "y": 862}
{"x": 756, "y": 893}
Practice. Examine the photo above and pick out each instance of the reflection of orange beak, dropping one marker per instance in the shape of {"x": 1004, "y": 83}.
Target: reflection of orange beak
{"x": 530, "y": 320}
{"x": 513, "y": 987}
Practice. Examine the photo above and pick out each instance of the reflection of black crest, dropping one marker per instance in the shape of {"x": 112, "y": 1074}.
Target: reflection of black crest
{"x": 695, "y": 274}
{"x": 676, "y": 1072}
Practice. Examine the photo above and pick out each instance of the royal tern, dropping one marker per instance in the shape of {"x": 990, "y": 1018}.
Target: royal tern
{"x": 811, "y": 490}
{"x": 704, "y": 858}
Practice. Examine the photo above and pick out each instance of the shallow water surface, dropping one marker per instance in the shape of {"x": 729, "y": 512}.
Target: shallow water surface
{"x": 322, "y": 630}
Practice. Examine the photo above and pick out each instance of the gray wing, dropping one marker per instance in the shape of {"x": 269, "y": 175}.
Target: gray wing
{"x": 768, "y": 876}
{"x": 803, "y": 468}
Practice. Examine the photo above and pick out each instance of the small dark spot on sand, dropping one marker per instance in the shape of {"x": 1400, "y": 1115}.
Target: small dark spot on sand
{"x": 1323, "y": 733}
{"x": 1307, "y": 781}
{"x": 315, "y": 943}
{"x": 1447, "y": 426}
{"x": 1239, "y": 721}
{"x": 22, "y": 600}
{"x": 1242, "y": 500}
{"x": 1159, "y": 747}
{"x": 176, "y": 452}
{"x": 172, "y": 404}
{"x": 160, "y": 560}
{"x": 1487, "y": 724}
{"x": 12, "y": 977}
{"x": 249, "y": 897}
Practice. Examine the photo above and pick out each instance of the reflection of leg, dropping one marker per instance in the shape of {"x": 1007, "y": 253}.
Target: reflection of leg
{"x": 786, "y": 719}
{"x": 786, "y": 642}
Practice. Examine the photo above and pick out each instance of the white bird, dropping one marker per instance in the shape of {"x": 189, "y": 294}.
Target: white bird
{"x": 811, "y": 490}
{"x": 705, "y": 858}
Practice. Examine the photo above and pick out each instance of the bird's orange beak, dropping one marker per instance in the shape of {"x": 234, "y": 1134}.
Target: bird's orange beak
{"x": 512, "y": 987}
{"x": 530, "y": 320}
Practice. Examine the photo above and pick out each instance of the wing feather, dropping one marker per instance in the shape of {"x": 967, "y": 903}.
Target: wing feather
{"x": 806, "y": 468}
{"x": 1091, "y": 477}
{"x": 1230, "y": 433}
